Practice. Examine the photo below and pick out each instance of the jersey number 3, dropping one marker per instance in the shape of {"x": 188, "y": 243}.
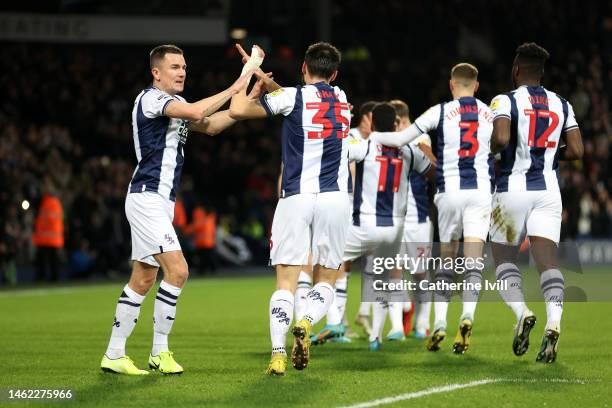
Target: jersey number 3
{"x": 468, "y": 137}
{"x": 541, "y": 140}
{"x": 320, "y": 118}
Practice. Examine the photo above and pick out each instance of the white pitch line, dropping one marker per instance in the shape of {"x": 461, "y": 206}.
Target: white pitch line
{"x": 453, "y": 387}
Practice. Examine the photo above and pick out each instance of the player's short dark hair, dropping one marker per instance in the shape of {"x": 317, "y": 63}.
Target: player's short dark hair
{"x": 383, "y": 117}
{"x": 322, "y": 59}
{"x": 401, "y": 108}
{"x": 366, "y": 108}
{"x": 158, "y": 53}
{"x": 531, "y": 58}
{"x": 464, "y": 73}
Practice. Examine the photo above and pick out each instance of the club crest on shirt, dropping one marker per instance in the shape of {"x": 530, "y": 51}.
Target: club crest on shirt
{"x": 494, "y": 104}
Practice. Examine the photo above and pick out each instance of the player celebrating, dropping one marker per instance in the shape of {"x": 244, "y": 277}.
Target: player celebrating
{"x": 161, "y": 120}
{"x": 463, "y": 130}
{"x": 313, "y": 212}
{"x": 418, "y": 229}
{"x": 335, "y": 327}
{"x": 527, "y": 128}
{"x": 362, "y": 131}
{"x": 379, "y": 208}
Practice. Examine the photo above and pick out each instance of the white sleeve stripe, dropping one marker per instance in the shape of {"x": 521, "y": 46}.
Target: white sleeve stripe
{"x": 163, "y": 111}
{"x": 570, "y": 127}
{"x": 417, "y": 126}
{"x": 501, "y": 115}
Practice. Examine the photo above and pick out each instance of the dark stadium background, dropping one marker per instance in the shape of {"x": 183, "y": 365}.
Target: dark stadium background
{"x": 65, "y": 110}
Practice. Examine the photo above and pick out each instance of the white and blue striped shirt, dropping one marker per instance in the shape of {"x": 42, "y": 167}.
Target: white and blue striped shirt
{"x": 462, "y": 129}
{"x": 159, "y": 142}
{"x": 538, "y": 117}
{"x": 314, "y": 137}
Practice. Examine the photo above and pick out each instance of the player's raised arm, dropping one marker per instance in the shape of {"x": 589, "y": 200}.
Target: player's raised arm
{"x": 397, "y": 139}
{"x": 219, "y": 121}
{"x": 423, "y": 124}
{"x": 268, "y": 82}
{"x": 242, "y": 105}
{"x": 196, "y": 111}
{"x": 213, "y": 124}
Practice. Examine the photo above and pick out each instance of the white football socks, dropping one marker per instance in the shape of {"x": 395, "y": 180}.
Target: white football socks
{"x": 379, "y": 315}
{"x": 442, "y": 298}
{"x": 318, "y": 301}
{"x": 364, "y": 308}
{"x": 552, "y": 285}
{"x": 126, "y": 316}
{"x": 510, "y": 277}
{"x": 422, "y": 308}
{"x": 164, "y": 313}
{"x": 336, "y": 310}
{"x": 281, "y": 313}
{"x": 470, "y": 297}
{"x": 396, "y": 317}
{"x": 303, "y": 286}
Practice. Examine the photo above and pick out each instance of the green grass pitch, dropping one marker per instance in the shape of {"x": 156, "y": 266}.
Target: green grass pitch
{"x": 56, "y": 340}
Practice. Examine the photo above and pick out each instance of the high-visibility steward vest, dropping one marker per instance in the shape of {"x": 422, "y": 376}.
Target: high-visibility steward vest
{"x": 180, "y": 216}
{"x": 49, "y": 224}
{"x": 204, "y": 228}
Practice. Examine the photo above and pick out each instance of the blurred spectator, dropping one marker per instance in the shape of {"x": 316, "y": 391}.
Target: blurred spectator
{"x": 204, "y": 231}
{"x": 48, "y": 236}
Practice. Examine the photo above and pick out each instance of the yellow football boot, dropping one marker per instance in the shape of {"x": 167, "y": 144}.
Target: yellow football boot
{"x": 433, "y": 342}
{"x": 462, "y": 339}
{"x": 122, "y": 365}
{"x": 165, "y": 363}
{"x": 278, "y": 364}
{"x": 301, "y": 344}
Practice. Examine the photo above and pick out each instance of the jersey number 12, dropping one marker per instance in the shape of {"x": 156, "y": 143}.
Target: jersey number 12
{"x": 541, "y": 140}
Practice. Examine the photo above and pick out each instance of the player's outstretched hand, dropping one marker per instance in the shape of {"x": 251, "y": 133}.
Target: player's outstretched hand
{"x": 259, "y": 87}
{"x": 268, "y": 80}
{"x": 245, "y": 56}
{"x": 252, "y": 61}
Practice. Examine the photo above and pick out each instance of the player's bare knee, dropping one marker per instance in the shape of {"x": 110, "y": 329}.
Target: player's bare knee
{"x": 326, "y": 275}
{"x": 142, "y": 284}
{"x": 544, "y": 253}
{"x": 180, "y": 274}
{"x": 504, "y": 253}
{"x": 286, "y": 285}
{"x": 446, "y": 251}
{"x": 473, "y": 248}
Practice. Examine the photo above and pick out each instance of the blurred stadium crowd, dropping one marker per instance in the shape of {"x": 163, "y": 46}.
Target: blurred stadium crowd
{"x": 66, "y": 131}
